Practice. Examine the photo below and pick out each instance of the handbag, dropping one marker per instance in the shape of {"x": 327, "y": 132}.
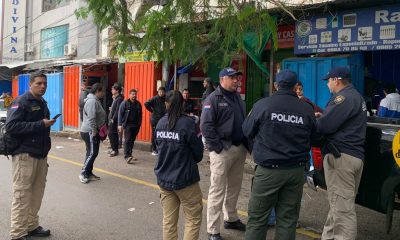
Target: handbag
{"x": 103, "y": 132}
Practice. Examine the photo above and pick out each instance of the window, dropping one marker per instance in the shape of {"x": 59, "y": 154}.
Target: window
{"x": 52, "y": 41}
{"x": 53, "y": 4}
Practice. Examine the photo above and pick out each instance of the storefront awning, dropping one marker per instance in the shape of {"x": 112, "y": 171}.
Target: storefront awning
{"x": 15, "y": 64}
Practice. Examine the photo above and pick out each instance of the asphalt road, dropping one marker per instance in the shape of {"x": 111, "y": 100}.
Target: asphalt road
{"x": 124, "y": 204}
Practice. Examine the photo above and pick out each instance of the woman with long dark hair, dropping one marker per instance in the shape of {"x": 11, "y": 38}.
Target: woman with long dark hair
{"x": 94, "y": 117}
{"x": 180, "y": 149}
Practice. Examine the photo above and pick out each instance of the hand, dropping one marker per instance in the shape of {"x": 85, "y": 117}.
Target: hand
{"x": 318, "y": 114}
{"x": 48, "y": 123}
{"x": 120, "y": 129}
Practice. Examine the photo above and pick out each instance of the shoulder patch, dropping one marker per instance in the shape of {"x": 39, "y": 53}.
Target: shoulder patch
{"x": 208, "y": 106}
{"x": 339, "y": 99}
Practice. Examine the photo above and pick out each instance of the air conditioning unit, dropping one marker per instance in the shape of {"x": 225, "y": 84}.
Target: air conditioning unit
{"x": 69, "y": 49}
{"x": 29, "y": 48}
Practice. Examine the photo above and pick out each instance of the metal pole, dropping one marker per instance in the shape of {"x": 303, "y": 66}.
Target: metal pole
{"x": 271, "y": 70}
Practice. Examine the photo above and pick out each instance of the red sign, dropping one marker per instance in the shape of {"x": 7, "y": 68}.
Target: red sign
{"x": 238, "y": 63}
{"x": 285, "y": 37}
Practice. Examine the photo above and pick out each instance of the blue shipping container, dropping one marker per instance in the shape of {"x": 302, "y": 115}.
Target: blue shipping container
{"x": 311, "y": 71}
{"x": 23, "y": 83}
{"x": 5, "y": 86}
{"x": 54, "y": 97}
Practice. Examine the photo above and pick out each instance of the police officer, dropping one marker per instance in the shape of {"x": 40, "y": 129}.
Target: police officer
{"x": 180, "y": 149}
{"x": 344, "y": 124}
{"x": 282, "y": 127}
{"x": 221, "y": 121}
{"x": 28, "y": 121}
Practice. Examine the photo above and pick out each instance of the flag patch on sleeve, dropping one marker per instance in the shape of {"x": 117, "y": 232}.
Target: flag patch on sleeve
{"x": 207, "y": 107}
{"x": 15, "y": 106}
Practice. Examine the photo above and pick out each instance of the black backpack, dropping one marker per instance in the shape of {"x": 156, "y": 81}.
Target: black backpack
{"x": 8, "y": 143}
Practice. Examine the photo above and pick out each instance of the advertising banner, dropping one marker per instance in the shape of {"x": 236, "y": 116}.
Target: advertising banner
{"x": 358, "y": 30}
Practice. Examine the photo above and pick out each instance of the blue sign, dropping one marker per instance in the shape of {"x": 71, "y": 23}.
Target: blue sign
{"x": 359, "y": 30}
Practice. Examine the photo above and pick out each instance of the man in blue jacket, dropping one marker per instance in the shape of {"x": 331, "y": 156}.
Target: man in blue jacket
{"x": 221, "y": 124}
{"x": 28, "y": 120}
{"x": 282, "y": 127}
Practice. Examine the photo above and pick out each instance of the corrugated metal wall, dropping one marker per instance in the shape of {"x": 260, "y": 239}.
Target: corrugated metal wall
{"x": 23, "y": 83}
{"x": 5, "y": 86}
{"x": 142, "y": 76}
{"x": 15, "y": 87}
{"x": 72, "y": 79}
{"x": 311, "y": 71}
{"x": 54, "y": 97}
{"x": 256, "y": 84}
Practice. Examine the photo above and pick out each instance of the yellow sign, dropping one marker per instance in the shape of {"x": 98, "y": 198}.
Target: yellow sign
{"x": 396, "y": 148}
{"x": 138, "y": 56}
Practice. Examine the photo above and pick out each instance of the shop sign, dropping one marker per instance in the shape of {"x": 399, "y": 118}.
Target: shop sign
{"x": 359, "y": 30}
{"x": 238, "y": 62}
{"x": 13, "y": 31}
{"x": 138, "y": 56}
{"x": 285, "y": 37}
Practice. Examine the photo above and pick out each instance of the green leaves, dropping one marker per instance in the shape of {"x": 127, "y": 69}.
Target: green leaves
{"x": 184, "y": 30}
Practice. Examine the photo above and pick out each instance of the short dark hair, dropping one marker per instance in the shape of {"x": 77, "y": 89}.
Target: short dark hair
{"x": 132, "y": 91}
{"x": 389, "y": 88}
{"x": 187, "y": 90}
{"x": 97, "y": 87}
{"x": 37, "y": 75}
{"x": 161, "y": 88}
{"x": 299, "y": 83}
{"x": 117, "y": 87}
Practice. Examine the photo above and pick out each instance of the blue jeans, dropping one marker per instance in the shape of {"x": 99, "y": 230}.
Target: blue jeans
{"x": 92, "y": 150}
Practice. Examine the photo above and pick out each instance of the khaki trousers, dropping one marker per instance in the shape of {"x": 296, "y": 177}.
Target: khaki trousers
{"x": 29, "y": 181}
{"x": 342, "y": 177}
{"x": 226, "y": 182}
{"x": 191, "y": 200}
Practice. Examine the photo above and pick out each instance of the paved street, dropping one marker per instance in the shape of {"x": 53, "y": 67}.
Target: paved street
{"x": 124, "y": 204}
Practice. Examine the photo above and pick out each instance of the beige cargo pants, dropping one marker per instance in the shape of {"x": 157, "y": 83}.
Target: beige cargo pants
{"x": 29, "y": 181}
{"x": 226, "y": 182}
{"x": 190, "y": 198}
{"x": 342, "y": 177}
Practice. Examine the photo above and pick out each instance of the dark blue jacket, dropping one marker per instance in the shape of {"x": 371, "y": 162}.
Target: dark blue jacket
{"x": 179, "y": 151}
{"x": 282, "y": 127}
{"x": 344, "y": 122}
{"x": 24, "y": 122}
{"x": 217, "y": 119}
{"x": 130, "y": 113}
{"x": 155, "y": 105}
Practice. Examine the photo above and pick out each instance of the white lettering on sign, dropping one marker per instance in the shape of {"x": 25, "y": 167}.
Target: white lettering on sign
{"x": 14, "y": 39}
{"x": 287, "y": 118}
{"x": 385, "y": 16}
{"x": 168, "y": 135}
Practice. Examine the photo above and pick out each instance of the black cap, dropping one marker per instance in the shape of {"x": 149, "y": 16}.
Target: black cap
{"x": 286, "y": 78}
{"x": 338, "y": 72}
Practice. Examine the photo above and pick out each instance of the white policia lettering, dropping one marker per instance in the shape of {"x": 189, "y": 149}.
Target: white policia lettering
{"x": 168, "y": 135}
{"x": 287, "y": 118}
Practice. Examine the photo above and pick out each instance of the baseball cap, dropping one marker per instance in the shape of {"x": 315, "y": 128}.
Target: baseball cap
{"x": 338, "y": 72}
{"x": 229, "y": 72}
{"x": 286, "y": 77}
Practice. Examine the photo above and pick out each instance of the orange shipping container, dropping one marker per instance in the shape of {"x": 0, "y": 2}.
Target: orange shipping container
{"x": 142, "y": 76}
{"x": 72, "y": 77}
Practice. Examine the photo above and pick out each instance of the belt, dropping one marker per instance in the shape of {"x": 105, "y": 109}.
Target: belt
{"x": 284, "y": 166}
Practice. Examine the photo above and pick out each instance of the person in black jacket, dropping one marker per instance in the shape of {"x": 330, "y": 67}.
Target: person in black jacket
{"x": 221, "y": 124}
{"x": 156, "y": 105}
{"x": 129, "y": 121}
{"x": 208, "y": 85}
{"x": 28, "y": 121}
{"x": 180, "y": 149}
{"x": 113, "y": 119}
{"x": 282, "y": 127}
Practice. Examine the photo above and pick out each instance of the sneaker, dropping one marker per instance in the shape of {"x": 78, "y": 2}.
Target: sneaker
{"x": 154, "y": 153}
{"x": 83, "y": 179}
{"x": 129, "y": 159}
{"x": 215, "y": 237}
{"x": 113, "y": 153}
{"x": 237, "y": 225}
{"x": 39, "y": 232}
{"x": 94, "y": 177}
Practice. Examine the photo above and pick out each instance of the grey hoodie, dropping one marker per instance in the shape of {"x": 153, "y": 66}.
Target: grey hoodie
{"x": 94, "y": 115}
